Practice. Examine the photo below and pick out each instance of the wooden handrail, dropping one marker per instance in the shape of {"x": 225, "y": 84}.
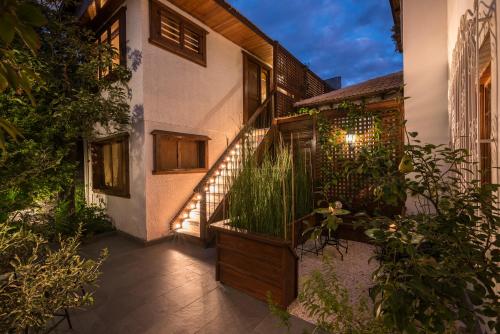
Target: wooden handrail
{"x": 199, "y": 188}
{"x": 260, "y": 110}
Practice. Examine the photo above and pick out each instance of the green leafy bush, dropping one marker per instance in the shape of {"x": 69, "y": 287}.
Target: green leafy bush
{"x": 327, "y": 301}
{"x": 38, "y": 279}
{"x": 439, "y": 269}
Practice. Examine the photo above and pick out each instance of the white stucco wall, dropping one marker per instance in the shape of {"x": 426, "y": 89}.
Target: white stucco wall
{"x": 172, "y": 93}
{"x": 182, "y": 96}
{"x": 425, "y": 64}
{"x": 129, "y": 214}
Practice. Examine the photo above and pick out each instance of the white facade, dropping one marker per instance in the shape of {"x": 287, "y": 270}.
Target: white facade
{"x": 425, "y": 68}
{"x": 430, "y": 31}
{"x": 172, "y": 93}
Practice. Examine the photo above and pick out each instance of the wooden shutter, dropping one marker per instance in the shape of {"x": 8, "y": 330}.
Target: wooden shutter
{"x": 170, "y": 28}
{"x": 175, "y": 33}
{"x": 188, "y": 154}
{"x": 192, "y": 40}
{"x": 167, "y": 153}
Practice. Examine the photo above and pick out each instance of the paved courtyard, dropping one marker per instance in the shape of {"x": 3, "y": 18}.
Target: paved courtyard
{"x": 169, "y": 287}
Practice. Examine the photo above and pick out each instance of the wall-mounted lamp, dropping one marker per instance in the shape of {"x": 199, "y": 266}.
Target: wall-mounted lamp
{"x": 350, "y": 139}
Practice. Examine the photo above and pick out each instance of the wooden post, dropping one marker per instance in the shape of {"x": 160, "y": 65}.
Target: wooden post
{"x": 203, "y": 215}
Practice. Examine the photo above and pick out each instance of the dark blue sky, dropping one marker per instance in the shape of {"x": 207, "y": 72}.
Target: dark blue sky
{"x": 351, "y": 38}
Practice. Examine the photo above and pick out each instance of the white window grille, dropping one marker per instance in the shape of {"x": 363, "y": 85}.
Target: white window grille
{"x": 474, "y": 50}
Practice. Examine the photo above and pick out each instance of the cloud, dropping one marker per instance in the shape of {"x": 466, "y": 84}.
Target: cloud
{"x": 351, "y": 38}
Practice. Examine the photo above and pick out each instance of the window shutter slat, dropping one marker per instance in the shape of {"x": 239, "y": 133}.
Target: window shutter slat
{"x": 192, "y": 40}
{"x": 170, "y": 29}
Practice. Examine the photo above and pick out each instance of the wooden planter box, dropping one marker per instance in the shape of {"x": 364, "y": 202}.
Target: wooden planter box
{"x": 256, "y": 264}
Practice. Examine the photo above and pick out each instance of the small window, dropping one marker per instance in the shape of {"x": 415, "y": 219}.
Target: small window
{"x": 179, "y": 153}
{"x": 110, "y": 163}
{"x": 113, "y": 33}
{"x": 175, "y": 33}
{"x": 92, "y": 10}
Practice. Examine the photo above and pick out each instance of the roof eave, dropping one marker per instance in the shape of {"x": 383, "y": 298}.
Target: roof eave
{"x": 396, "y": 16}
{"x": 381, "y": 93}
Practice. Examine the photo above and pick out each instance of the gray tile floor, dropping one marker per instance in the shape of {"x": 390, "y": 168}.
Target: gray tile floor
{"x": 168, "y": 288}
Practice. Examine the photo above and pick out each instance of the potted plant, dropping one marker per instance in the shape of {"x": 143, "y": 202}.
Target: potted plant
{"x": 254, "y": 245}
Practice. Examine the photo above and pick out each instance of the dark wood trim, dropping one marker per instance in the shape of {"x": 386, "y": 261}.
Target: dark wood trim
{"x": 103, "y": 14}
{"x": 224, "y": 4}
{"x": 181, "y": 137}
{"x": 180, "y": 171}
{"x": 256, "y": 264}
{"x": 119, "y": 137}
{"x": 246, "y": 58}
{"x": 121, "y": 16}
{"x": 155, "y": 38}
{"x": 256, "y": 59}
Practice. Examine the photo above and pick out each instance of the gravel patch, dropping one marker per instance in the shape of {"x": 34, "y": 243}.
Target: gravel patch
{"x": 354, "y": 273}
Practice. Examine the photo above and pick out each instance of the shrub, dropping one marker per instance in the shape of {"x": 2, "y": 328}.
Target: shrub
{"x": 327, "y": 301}
{"x": 36, "y": 280}
{"x": 439, "y": 269}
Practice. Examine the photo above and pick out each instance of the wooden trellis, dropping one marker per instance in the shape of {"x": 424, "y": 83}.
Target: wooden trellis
{"x": 353, "y": 189}
{"x": 304, "y": 130}
{"x": 294, "y": 81}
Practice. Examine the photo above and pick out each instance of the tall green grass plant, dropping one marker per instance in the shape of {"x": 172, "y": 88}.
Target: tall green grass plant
{"x": 266, "y": 197}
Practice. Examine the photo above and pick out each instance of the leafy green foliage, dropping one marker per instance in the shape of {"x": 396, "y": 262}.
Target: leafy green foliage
{"x": 382, "y": 187}
{"x": 282, "y": 315}
{"x": 330, "y": 223}
{"x": 16, "y": 19}
{"x": 266, "y": 196}
{"x": 439, "y": 269}
{"x": 71, "y": 101}
{"x": 328, "y": 302}
{"x": 37, "y": 281}
{"x": 307, "y": 111}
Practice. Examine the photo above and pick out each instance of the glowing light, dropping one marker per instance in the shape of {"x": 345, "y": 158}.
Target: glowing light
{"x": 350, "y": 138}
{"x": 178, "y": 226}
{"x": 198, "y": 197}
{"x": 193, "y": 206}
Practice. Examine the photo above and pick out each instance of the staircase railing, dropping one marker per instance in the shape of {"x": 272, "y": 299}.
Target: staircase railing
{"x": 210, "y": 192}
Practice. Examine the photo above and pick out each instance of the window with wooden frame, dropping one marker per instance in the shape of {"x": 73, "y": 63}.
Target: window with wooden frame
{"x": 179, "y": 153}
{"x": 95, "y": 7}
{"x": 175, "y": 33}
{"x": 485, "y": 125}
{"x": 113, "y": 33}
{"x": 110, "y": 165}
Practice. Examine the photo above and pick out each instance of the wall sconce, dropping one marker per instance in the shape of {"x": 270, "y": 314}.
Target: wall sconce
{"x": 350, "y": 139}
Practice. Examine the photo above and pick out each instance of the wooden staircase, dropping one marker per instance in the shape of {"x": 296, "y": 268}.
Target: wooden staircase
{"x": 207, "y": 203}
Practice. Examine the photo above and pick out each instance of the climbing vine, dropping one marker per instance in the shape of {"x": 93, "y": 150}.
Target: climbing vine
{"x": 359, "y": 165}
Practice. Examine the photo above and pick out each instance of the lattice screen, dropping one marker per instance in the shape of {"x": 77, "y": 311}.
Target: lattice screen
{"x": 354, "y": 189}
{"x": 294, "y": 82}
